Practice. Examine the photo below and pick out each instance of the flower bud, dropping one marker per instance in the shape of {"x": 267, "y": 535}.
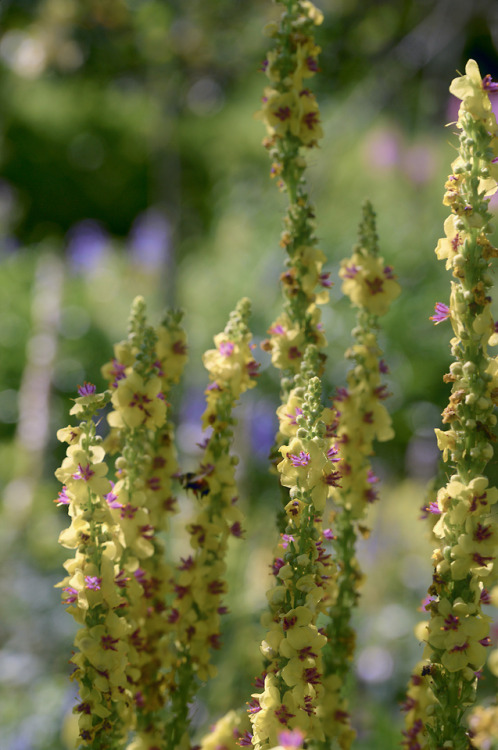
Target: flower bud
{"x": 469, "y": 368}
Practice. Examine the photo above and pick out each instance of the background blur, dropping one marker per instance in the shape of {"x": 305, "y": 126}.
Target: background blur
{"x": 130, "y": 164}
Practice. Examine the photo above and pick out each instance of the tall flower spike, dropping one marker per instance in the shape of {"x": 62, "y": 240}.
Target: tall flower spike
{"x": 141, "y": 502}
{"x": 293, "y": 689}
{"x": 200, "y": 581}
{"x": 361, "y": 419}
{"x": 290, "y": 113}
{"x": 91, "y": 589}
{"x": 456, "y": 635}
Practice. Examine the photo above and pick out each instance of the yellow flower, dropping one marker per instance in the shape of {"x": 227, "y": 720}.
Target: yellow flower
{"x": 448, "y": 247}
{"x": 288, "y": 414}
{"x": 69, "y": 434}
{"x": 303, "y": 463}
{"x": 312, "y": 12}
{"x": 137, "y": 402}
{"x": 231, "y": 364}
{"x": 302, "y": 639}
{"x": 307, "y": 127}
{"x": 171, "y": 349}
{"x": 312, "y": 260}
{"x": 280, "y": 112}
{"x": 306, "y": 61}
{"x": 446, "y": 442}
{"x": 369, "y": 283}
{"x": 469, "y": 88}
{"x": 84, "y": 471}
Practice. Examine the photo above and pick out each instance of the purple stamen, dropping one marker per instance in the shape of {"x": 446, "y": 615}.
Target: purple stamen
{"x": 64, "y": 499}
{"x": 302, "y": 460}
{"x": 87, "y": 389}
{"x": 441, "y": 312}
{"x": 72, "y": 595}
{"x": 488, "y": 84}
{"x": 93, "y": 582}
{"x": 85, "y": 473}
{"x": 112, "y": 500}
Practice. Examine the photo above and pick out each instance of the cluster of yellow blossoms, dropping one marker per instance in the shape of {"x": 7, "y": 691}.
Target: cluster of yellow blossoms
{"x": 118, "y": 581}
{"x": 290, "y": 110}
{"x": 290, "y": 113}
{"x": 456, "y": 636}
{"x": 140, "y": 377}
{"x": 361, "y": 418}
{"x": 90, "y": 589}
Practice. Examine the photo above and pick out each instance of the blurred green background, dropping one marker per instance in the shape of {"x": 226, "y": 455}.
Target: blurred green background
{"x": 130, "y": 164}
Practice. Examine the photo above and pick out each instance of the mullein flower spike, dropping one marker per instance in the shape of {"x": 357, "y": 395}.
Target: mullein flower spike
{"x": 290, "y": 113}
{"x": 91, "y": 588}
{"x": 456, "y": 637}
{"x": 200, "y": 583}
{"x": 361, "y": 419}
{"x": 141, "y": 374}
{"x": 292, "y": 684}
{"x": 118, "y": 580}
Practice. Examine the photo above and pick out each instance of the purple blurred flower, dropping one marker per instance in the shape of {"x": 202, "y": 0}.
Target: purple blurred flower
{"x": 150, "y": 240}
{"x": 383, "y": 149}
{"x": 262, "y": 426}
{"x": 87, "y": 242}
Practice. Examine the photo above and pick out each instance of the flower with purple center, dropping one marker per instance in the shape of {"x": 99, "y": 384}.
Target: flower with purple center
{"x": 441, "y": 312}
{"x": 84, "y": 472}
{"x": 328, "y": 534}
{"x": 87, "y": 389}
{"x": 93, "y": 582}
{"x": 226, "y": 348}
{"x": 351, "y": 271}
{"x": 277, "y": 329}
{"x": 302, "y": 460}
